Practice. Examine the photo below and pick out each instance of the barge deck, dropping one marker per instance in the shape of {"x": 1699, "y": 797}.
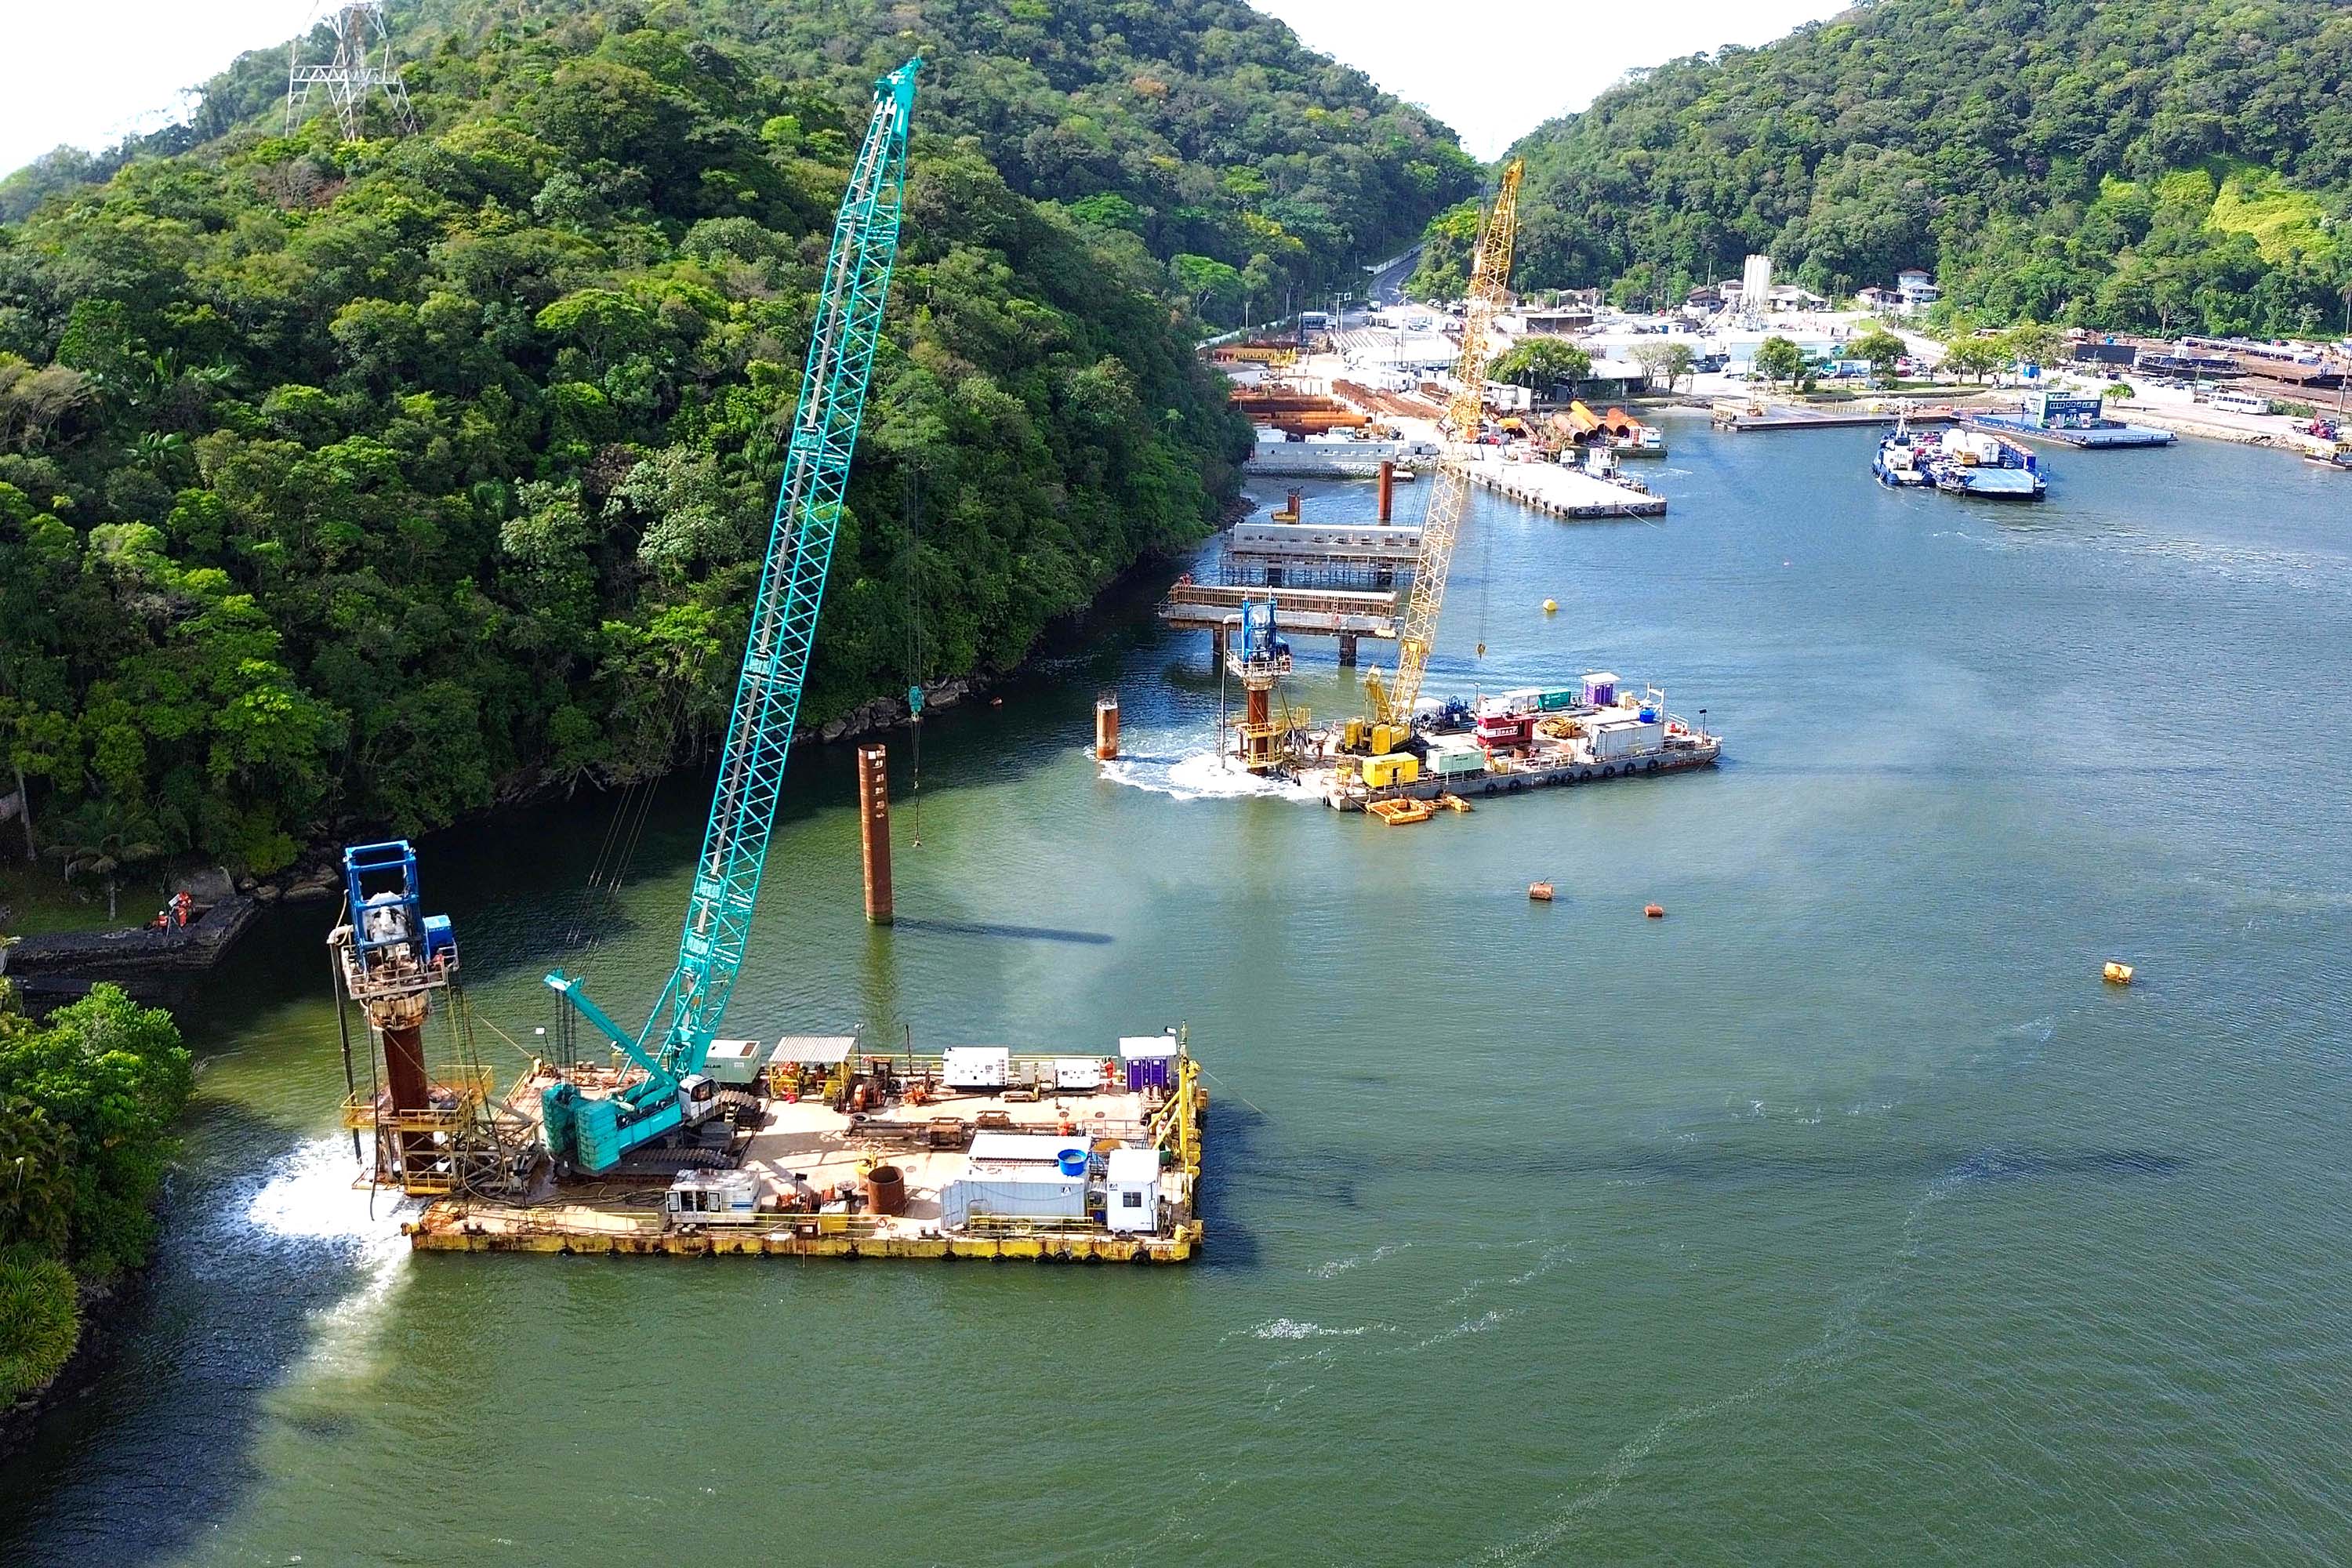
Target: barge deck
{"x": 1067, "y": 1160}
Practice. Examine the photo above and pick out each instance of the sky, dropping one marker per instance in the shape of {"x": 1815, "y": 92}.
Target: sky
{"x": 90, "y": 71}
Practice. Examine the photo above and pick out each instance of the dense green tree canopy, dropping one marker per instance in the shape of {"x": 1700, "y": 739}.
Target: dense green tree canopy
{"x": 379, "y": 481}
{"x": 87, "y": 1102}
{"x": 2160, "y": 164}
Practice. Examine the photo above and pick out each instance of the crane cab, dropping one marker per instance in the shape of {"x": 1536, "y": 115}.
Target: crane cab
{"x": 697, "y": 1097}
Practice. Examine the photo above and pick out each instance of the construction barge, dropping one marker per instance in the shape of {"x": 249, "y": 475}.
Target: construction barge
{"x": 829, "y": 1151}
{"x": 669, "y": 1138}
{"x": 1506, "y": 743}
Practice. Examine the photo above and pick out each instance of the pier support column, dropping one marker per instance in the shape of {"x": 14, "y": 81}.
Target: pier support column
{"x": 1106, "y": 726}
{"x": 874, "y": 829}
{"x": 1260, "y": 710}
{"x": 400, "y": 1024}
{"x": 1217, "y": 648}
{"x": 1387, "y": 488}
{"x": 1348, "y": 649}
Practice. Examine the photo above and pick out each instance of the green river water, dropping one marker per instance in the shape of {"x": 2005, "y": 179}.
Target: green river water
{"x": 1843, "y": 1215}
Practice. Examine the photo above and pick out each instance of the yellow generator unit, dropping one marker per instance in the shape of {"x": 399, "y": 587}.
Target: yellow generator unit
{"x": 1386, "y": 737}
{"x": 1351, "y": 735}
{"x": 1388, "y": 768}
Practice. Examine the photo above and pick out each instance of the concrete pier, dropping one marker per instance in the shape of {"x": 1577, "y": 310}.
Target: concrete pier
{"x": 1559, "y": 491}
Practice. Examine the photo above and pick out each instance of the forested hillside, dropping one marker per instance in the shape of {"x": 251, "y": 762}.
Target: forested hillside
{"x": 377, "y": 481}
{"x": 1259, "y": 171}
{"x": 2112, "y": 163}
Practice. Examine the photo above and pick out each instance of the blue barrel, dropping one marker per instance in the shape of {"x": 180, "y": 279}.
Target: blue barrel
{"x": 1074, "y": 1161}
{"x": 1649, "y": 715}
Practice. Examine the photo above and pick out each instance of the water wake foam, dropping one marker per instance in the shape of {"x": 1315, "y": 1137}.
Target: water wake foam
{"x": 1199, "y": 775}
{"x": 308, "y": 1205}
{"x": 1292, "y": 1328}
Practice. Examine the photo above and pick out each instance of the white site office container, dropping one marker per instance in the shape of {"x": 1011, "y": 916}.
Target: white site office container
{"x": 1614, "y": 742}
{"x": 1023, "y": 1194}
{"x": 714, "y": 1198}
{"x": 1077, "y": 1072}
{"x": 975, "y": 1067}
{"x": 1132, "y": 1189}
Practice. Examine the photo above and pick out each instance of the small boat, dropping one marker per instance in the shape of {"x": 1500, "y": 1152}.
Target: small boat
{"x": 1901, "y": 455}
{"x": 2340, "y": 459}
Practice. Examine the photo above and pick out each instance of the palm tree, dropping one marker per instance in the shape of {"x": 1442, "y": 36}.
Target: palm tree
{"x": 104, "y": 837}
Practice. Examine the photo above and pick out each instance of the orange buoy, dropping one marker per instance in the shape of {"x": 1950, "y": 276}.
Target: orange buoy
{"x": 1539, "y": 892}
{"x": 1655, "y": 911}
{"x": 2117, "y": 974}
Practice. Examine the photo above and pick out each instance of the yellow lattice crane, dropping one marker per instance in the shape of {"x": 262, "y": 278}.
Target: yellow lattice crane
{"x": 1392, "y": 700}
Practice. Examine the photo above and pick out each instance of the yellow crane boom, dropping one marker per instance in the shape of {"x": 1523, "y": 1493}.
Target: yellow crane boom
{"x": 1392, "y": 702}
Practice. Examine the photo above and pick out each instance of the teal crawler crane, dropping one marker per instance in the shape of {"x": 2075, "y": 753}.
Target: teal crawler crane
{"x": 592, "y": 1132}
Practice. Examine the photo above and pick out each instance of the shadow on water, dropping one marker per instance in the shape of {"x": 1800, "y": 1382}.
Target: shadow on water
{"x": 1957, "y": 770}
{"x": 1235, "y": 1133}
{"x": 230, "y": 1311}
{"x": 1702, "y": 1165}
{"x": 1006, "y": 932}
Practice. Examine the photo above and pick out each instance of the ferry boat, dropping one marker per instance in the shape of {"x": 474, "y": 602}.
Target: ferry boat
{"x": 1959, "y": 462}
{"x": 1903, "y": 457}
{"x": 1979, "y": 463}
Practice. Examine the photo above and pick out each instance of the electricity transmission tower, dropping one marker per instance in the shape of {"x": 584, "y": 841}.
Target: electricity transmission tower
{"x": 363, "y": 61}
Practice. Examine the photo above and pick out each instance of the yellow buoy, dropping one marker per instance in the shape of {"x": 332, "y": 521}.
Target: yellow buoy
{"x": 1551, "y": 605}
{"x": 2117, "y": 974}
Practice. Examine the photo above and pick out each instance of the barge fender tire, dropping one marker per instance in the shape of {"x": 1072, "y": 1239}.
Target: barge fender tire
{"x": 1650, "y": 768}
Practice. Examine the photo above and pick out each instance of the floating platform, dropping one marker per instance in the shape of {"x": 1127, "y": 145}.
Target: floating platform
{"x": 2089, "y": 437}
{"x": 1504, "y": 744}
{"x": 1073, "y": 1159}
{"x": 1558, "y": 490}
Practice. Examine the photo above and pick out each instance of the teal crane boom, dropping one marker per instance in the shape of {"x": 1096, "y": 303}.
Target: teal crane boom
{"x": 593, "y": 1133}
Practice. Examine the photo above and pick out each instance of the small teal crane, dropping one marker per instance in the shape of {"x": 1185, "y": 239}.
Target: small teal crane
{"x": 591, "y": 1133}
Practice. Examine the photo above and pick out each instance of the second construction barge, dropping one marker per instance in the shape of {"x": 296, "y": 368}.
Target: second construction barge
{"x": 1503, "y": 744}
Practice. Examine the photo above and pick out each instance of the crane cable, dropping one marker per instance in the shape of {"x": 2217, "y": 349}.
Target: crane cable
{"x": 910, "y": 499}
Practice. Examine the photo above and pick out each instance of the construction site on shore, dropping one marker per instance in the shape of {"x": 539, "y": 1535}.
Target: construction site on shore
{"x": 1408, "y": 756}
